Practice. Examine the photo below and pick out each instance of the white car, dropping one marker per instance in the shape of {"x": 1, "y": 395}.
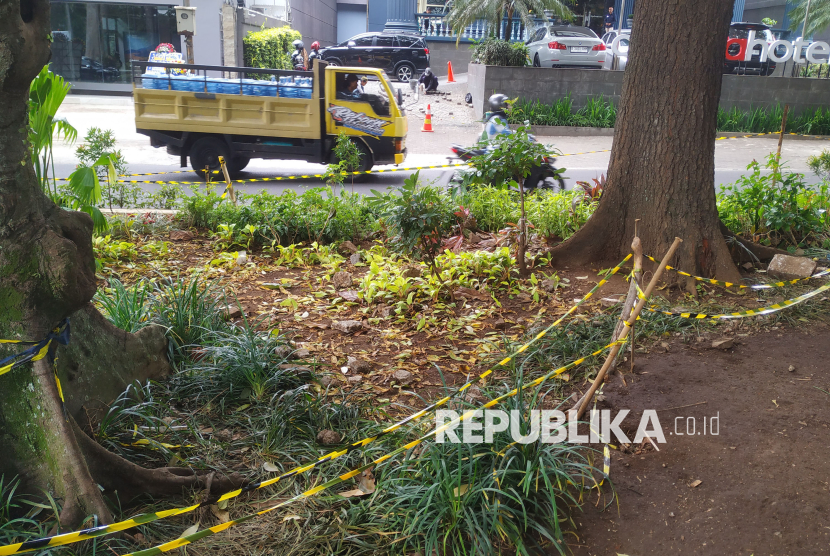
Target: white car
{"x": 557, "y": 46}
{"x": 613, "y": 62}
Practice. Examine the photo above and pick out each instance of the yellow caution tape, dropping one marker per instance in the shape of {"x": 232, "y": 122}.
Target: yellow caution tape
{"x": 774, "y": 308}
{"x": 69, "y": 538}
{"x": 742, "y": 286}
{"x": 166, "y": 547}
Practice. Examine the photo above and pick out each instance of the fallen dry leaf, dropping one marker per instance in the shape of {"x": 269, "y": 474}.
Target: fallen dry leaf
{"x": 222, "y": 515}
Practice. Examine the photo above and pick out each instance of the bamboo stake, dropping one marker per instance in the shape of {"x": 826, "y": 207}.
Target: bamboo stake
{"x": 231, "y": 192}
{"x": 637, "y": 248}
{"x": 780, "y": 140}
{"x": 627, "y": 328}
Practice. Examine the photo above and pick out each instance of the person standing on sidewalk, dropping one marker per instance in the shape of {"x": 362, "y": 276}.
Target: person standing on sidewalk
{"x": 610, "y": 19}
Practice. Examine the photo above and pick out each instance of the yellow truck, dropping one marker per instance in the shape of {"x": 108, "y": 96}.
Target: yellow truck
{"x": 204, "y": 112}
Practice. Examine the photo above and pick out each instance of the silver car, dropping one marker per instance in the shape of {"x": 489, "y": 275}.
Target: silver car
{"x": 556, "y": 46}
{"x": 612, "y": 61}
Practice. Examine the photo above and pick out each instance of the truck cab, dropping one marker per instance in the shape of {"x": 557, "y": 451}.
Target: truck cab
{"x": 202, "y": 113}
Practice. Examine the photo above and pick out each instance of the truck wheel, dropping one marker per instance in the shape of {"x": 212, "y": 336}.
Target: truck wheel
{"x": 206, "y": 152}
{"x": 238, "y": 163}
{"x": 366, "y": 160}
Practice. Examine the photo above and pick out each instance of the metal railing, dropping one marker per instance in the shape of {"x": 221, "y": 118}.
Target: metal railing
{"x": 435, "y": 26}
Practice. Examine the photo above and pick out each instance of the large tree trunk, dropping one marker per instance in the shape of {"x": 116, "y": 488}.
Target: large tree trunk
{"x": 47, "y": 272}
{"x": 662, "y": 166}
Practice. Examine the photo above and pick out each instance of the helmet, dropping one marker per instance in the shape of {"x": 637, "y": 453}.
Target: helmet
{"x": 497, "y": 102}
{"x": 427, "y": 71}
{"x": 315, "y": 45}
{"x": 298, "y": 44}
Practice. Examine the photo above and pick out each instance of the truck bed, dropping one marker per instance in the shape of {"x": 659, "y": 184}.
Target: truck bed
{"x": 214, "y": 113}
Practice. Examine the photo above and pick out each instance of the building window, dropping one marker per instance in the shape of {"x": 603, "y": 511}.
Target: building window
{"x": 98, "y": 42}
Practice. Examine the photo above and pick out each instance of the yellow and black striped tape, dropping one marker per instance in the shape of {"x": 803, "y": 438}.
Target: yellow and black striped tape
{"x": 774, "y": 308}
{"x": 77, "y": 536}
{"x": 774, "y": 133}
{"x": 742, "y": 286}
{"x": 166, "y": 547}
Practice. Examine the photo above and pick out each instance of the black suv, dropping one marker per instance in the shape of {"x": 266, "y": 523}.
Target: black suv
{"x": 402, "y": 55}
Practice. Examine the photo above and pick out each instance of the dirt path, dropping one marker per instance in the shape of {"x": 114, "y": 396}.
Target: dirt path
{"x": 765, "y": 478}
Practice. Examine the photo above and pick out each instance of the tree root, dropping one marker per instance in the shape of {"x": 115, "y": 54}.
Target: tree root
{"x": 114, "y": 473}
{"x": 744, "y": 251}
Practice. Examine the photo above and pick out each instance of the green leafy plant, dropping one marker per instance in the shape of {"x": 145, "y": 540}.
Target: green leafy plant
{"x": 507, "y": 162}
{"x": 348, "y": 159}
{"x": 245, "y": 359}
{"x": 127, "y": 308}
{"x": 269, "y": 48}
{"x": 498, "y": 52}
{"x": 46, "y": 94}
{"x": 772, "y": 206}
{"x": 597, "y": 112}
{"x": 84, "y": 190}
{"x": 456, "y": 498}
{"x": 97, "y": 144}
{"x": 820, "y": 164}
{"x": 190, "y": 309}
{"x": 420, "y": 216}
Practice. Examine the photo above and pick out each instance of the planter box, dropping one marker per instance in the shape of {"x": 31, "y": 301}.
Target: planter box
{"x": 550, "y": 84}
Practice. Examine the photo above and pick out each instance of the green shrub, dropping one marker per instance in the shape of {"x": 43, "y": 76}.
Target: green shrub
{"x": 775, "y": 206}
{"x": 285, "y": 219}
{"x": 457, "y": 498}
{"x": 820, "y": 164}
{"x": 598, "y": 112}
{"x": 498, "y": 52}
{"x": 559, "y": 215}
{"x": 492, "y": 207}
{"x": 270, "y": 48}
{"x": 419, "y": 215}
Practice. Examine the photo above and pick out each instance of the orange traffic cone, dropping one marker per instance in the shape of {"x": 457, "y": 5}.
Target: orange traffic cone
{"x": 450, "y": 78}
{"x": 428, "y": 120}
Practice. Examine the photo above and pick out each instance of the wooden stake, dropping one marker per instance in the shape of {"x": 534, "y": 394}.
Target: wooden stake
{"x": 781, "y": 140}
{"x": 637, "y": 248}
{"x": 626, "y": 329}
{"x": 228, "y": 181}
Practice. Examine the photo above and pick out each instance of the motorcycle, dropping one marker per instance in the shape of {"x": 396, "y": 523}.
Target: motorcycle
{"x": 543, "y": 177}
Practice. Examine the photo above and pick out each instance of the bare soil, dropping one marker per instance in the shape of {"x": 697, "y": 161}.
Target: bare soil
{"x": 763, "y": 486}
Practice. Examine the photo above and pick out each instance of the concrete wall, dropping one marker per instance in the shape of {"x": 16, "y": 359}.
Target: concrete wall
{"x": 236, "y": 24}
{"x": 441, "y": 52}
{"x": 351, "y": 20}
{"x": 316, "y": 20}
{"x": 544, "y": 84}
{"x": 548, "y": 85}
{"x": 377, "y": 15}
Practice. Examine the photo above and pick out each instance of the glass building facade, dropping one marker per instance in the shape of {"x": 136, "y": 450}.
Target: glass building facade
{"x": 97, "y": 42}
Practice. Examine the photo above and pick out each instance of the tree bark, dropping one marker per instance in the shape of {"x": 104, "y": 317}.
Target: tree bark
{"x": 662, "y": 167}
{"x": 47, "y": 272}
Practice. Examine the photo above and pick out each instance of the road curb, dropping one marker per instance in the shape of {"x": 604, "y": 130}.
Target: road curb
{"x": 567, "y": 131}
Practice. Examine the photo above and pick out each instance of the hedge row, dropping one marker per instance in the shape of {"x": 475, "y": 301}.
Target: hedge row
{"x": 270, "y": 48}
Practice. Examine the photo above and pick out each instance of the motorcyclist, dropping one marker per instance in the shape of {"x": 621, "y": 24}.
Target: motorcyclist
{"x": 496, "y": 119}
{"x": 299, "y": 57}
{"x": 315, "y": 50}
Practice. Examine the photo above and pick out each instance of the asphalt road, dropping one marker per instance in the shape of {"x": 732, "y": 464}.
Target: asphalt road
{"x": 116, "y": 113}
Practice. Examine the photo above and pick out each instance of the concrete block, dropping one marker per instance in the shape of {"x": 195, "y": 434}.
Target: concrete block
{"x": 788, "y": 266}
